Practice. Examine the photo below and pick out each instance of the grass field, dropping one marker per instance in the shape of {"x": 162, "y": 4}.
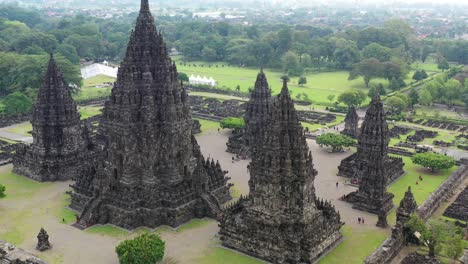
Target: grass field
{"x": 97, "y": 80}
{"x": 89, "y": 111}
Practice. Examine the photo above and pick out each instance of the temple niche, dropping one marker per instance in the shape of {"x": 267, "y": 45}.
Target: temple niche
{"x": 255, "y": 115}
{"x": 372, "y": 165}
{"x": 281, "y": 220}
{"x": 351, "y": 123}
{"x": 151, "y": 171}
{"x": 62, "y": 146}
{"x": 368, "y": 143}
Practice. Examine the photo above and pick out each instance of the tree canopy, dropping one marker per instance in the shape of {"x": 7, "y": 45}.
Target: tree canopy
{"x": 352, "y": 97}
{"x": 144, "y": 249}
{"x": 433, "y": 161}
{"x": 2, "y": 191}
{"x": 336, "y": 141}
{"x": 232, "y": 123}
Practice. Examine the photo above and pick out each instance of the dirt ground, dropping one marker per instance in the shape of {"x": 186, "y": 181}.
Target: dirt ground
{"x": 73, "y": 246}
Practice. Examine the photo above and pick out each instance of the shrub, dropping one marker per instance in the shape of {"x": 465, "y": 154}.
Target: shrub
{"x": 145, "y": 249}
{"x": 232, "y": 123}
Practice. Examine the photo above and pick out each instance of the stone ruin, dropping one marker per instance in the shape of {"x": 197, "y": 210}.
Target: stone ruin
{"x": 407, "y": 207}
{"x": 255, "y": 118}
{"x": 459, "y": 208}
{"x": 372, "y": 165}
{"x": 281, "y": 220}
{"x": 10, "y": 254}
{"x": 397, "y": 131}
{"x": 420, "y": 135}
{"x": 351, "y": 123}
{"x": 416, "y": 258}
{"x": 447, "y": 125}
{"x": 369, "y": 144}
{"x": 61, "y": 146}
{"x": 43, "y": 243}
{"x": 150, "y": 171}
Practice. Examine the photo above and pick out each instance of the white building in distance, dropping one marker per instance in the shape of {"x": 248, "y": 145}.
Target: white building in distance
{"x": 197, "y": 80}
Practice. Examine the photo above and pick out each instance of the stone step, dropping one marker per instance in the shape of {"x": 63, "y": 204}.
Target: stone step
{"x": 4, "y": 261}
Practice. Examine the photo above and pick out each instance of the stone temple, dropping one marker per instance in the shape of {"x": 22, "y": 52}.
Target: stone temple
{"x": 351, "y": 123}
{"x": 255, "y": 116}
{"x": 373, "y": 166}
{"x": 368, "y": 143}
{"x": 151, "y": 171}
{"x": 281, "y": 221}
{"x": 61, "y": 142}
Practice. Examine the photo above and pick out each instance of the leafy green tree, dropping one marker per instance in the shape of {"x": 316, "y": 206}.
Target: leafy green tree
{"x": 377, "y": 51}
{"x": 414, "y": 97}
{"x": 443, "y": 64}
{"x": 346, "y": 53}
{"x": 368, "y": 69}
{"x": 232, "y": 123}
{"x": 352, "y": 97}
{"x": 379, "y": 87}
{"x": 394, "y": 69}
{"x": 145, "y": 249}
{"x": 395, "y": 104}
{"x": 290, "y": 61}
{"x": 2, "y": 191}
{"x": 302, "y": 81}
{"x": 433, "y": 161}
{"x": 394, "y": 85}
{"x": 331, "y": 97}
{"x": 336, "y": 141}
{"x": 181, "y": 76}
{"x": 417, "y": 76}
{"x": 438, "y": 236}
{"x": 453, "y": 90}
{"x": 16, "y": 103}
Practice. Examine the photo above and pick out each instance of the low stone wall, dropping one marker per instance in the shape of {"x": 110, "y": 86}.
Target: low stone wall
{"x": 14, "y": 119}
{"x": 393, "y": 244}
{"x": 12, "y": 254}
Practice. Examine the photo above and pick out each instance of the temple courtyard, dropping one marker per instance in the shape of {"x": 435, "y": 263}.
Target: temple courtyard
{"x": 30, "y": 205}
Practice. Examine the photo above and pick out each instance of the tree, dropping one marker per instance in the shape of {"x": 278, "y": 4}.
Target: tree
{"x": 346, "y": 53}
{"x": 394, "y": 85}
{"x": 331, "y": 97}
{"x": 181, "y": 76}
{"x": 2, "y": 191}
{"x": 377, "y": 51}
{"x": 417, "y": 76}
{"x": 232, "y": 123}
{"x": 368, "y": 69}
{"x": 438, "y": 236}
{"x": 17, "y": 103}
{"x": 379, "y": 87}
{"x": 443, "y": 64}
{"x": 352, "y": 97}
{"x": 414, "y": 97}
{"x": 291, "y": 64}
{"x": 433, "y": 161}
{"x": 302, "y": 81}
{"x": 335, "y": 141}
{"x": 145, "y": 249}
{"x": 396, "y": 104}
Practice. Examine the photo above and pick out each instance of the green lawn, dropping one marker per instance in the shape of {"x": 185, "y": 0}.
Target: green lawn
{"x": 318, "y": 87}
{"x": 89, "y": 111}
{"x": 427, "y": 111}
{"x": 18, "y": 187}
{"x": 21, "y": 129}
{"x": 428, "y": 66}
{"x": 87, "y": 93}
{"x": 356, "y": 246}
{"x": 207, "y": 126}
{"x": 97, "y": 80}
{"x": 63, "y": 213}
{"x": 217, "y": 255}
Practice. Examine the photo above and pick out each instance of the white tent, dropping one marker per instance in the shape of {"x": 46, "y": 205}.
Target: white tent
{"x": 201, "y": 80}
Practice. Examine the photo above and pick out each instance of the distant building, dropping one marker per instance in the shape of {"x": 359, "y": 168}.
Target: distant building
{"x": 98, "y": 69}
{"x": 174, "y": 52}
{"x": 202, "y": 80}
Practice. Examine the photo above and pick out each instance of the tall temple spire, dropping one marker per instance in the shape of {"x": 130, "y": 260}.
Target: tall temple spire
{"x": 144, "y": 7}
{"x": 241, "y": 142}
{"x": 282, "y": 194}
{"x": 372, "y": 165}
{"x": 58, "y": 143}
{"x": 152, "y": 170}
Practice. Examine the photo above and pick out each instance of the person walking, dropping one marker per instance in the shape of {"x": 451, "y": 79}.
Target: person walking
{"x": 359, "y": 219}
{"x": 337, "y": 184}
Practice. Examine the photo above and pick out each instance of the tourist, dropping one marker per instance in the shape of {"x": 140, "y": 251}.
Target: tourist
{"x": 336, "y": 184}
{"x": 232, "y": 159}
{"x": 362, "y": 219}
{"x": 359, "y": 219}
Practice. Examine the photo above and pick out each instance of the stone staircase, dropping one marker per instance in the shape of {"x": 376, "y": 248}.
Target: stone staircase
{"x": 87, "y": 214}
{"x": 4, "y": 261}
{"x": 213, "y": 205}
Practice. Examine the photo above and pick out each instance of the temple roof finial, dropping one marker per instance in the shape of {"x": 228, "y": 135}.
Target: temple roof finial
{"x": 144, "y": 6}
{"x": 285, "y": 89}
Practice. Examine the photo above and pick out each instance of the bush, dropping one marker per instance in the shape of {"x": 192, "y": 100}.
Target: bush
{"x": 145, "y": 249}
{"x": 2, "y": 191}
{"x": 433, "y": 161}
{"x": 335, "y": 141}
{"x": 232, "y": 123}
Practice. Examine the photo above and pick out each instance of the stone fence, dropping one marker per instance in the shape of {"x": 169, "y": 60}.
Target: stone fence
{"x": 14, "y": 119}
{"x": 393, "y": 244}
